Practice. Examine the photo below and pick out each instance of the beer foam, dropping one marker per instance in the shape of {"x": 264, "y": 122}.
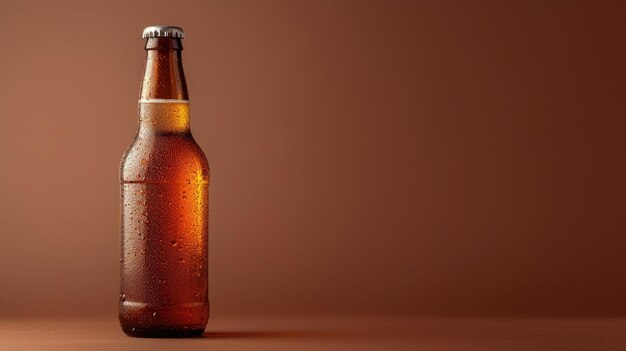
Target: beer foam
{"x": 163, "y": 101}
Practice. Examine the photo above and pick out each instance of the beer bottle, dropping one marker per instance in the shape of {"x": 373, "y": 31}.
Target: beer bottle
{"x": 164, "y": 204}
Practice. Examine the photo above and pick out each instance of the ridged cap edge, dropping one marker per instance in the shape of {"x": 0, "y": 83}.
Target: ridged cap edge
{"x": 163, "y": 31}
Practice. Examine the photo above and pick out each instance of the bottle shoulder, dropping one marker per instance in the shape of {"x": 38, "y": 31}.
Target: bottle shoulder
{"x": 164, "y": 157}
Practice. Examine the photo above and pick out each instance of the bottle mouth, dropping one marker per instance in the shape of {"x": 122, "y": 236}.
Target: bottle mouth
{"x": 164, "y": 44}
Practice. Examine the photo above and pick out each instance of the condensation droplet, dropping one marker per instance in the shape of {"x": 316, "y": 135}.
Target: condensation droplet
{"x": 123, "y": 297}
{"x": 174, "y": 243}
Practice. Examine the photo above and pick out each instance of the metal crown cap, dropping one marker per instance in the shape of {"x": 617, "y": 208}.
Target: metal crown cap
{"x": 163, "y": 31}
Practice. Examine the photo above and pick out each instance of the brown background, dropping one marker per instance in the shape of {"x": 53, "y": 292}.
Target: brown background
{"x": 368, "y": 157}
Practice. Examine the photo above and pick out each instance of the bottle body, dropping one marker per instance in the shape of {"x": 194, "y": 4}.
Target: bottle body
{"x": 164, "y": 180}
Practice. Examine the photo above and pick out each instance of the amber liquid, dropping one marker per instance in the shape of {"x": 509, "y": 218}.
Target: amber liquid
{"x": 164, "y": 227}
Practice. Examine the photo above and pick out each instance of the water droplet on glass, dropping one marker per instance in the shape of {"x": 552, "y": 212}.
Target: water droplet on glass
{"x": 123, "y": 297}
{"x": 154, "y": 314}
{"x": 174, "y": 243}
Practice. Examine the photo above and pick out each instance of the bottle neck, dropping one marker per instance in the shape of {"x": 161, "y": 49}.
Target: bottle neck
{"x": 164, "y": 77}
{"x": 164, "y": 100}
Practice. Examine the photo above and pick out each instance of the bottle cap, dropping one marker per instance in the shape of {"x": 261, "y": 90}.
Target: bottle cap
{"x": 163, "y": 31}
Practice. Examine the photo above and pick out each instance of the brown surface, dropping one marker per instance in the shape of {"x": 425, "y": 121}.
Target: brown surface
{"x": 328, "y": 334}
{"x": 410, "y": 157}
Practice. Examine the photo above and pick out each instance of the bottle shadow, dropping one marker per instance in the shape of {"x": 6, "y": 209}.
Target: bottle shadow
{"x": 287, "y": 334}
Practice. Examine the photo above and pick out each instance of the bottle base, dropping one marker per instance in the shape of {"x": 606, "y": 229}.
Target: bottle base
{"x": 175, "y": 332}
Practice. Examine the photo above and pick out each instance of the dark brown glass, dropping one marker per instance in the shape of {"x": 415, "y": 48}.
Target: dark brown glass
{"x": 164, "y": 208}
